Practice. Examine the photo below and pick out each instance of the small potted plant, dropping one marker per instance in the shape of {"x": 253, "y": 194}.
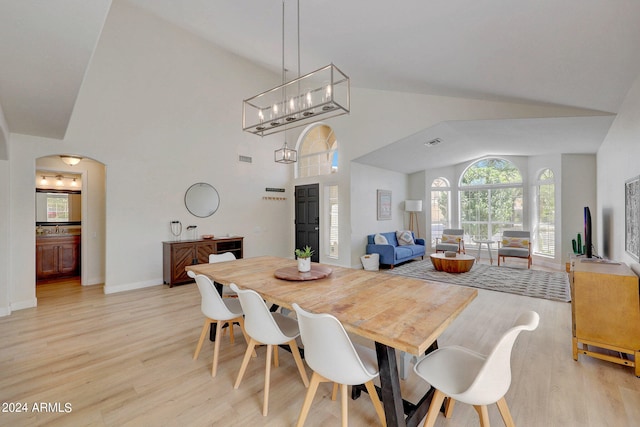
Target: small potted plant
{"x": 304, "y": 259}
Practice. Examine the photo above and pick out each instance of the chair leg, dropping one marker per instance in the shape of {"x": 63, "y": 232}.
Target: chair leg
{"x": 344, "y": 408}
{"x": 216, "y": 347}
{"x": 434, "y": 408}
{"x": 231, "y": 337}
{"x": 276, "y": 360}
{"x": 483, "y": 412}
{"x": 373, "y": 394}
{"x": 504, "y": 411}
{"x": 267, "y": 379}
{"x": 296, "y": 356}
{"x": 240, "y": 321}
{"x": 203, "y": 334}
{"x": 311, "y": 392}
{"x": 334, "y": 392}
{"x": 448, "y": 407}
{"x": 245, "y": 361}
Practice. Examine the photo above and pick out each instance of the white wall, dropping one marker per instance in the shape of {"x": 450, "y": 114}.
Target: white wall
{"x": 618, "y": 161}
{"x": 5, "y": 242}
{"x": 161, "y": 109}
{"x": 366, "y": 180}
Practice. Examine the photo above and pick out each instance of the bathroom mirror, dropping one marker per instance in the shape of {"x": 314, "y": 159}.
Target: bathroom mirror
{"x": 202, "y": 200}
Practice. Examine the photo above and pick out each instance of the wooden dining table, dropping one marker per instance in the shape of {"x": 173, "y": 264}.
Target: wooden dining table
{"x": 395, "y": 312}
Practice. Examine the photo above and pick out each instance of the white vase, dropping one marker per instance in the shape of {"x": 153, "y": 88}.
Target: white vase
{"x": 304, "y": 265}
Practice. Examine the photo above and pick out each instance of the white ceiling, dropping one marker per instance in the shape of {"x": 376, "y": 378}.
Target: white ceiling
{"x": 577, "y": 53}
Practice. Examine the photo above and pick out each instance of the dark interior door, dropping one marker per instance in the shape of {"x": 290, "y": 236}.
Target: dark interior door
{"x": 308, "y": 218}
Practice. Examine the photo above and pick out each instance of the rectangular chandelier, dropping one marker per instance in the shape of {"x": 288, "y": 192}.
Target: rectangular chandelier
{"x": 319, "y": 95}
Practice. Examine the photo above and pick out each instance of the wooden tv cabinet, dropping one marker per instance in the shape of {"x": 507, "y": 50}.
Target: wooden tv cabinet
{"x": 177, "y": 255}
{"x": 605, "y": 310}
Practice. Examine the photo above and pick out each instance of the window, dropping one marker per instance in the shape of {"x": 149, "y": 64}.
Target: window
{"x": 57, "y": 207}
{"x": 491, "y": 199}
{"x": 440, "y": 219}
{"x": 318, "y": 152}
{"x": 333, "y": 221}
{"x": 545, "y": 230}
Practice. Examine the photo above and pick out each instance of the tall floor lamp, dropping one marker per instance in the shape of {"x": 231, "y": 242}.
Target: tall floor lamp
{"x": 413, "y": 207}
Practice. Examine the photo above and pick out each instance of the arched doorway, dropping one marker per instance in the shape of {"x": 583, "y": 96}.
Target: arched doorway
{"x": 86, "y": 226}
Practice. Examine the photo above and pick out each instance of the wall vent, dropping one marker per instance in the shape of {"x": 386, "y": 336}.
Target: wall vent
{"x": 245, "y": 159}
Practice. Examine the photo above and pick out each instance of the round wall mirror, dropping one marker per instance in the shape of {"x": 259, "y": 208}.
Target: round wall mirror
{"x": 202, "y": 200}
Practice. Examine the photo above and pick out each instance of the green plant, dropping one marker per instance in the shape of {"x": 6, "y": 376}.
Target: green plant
{"x": 307, "y": 252}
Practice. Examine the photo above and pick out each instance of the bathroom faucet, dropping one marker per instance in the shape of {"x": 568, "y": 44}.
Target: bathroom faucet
{"x": 57, "y": 229}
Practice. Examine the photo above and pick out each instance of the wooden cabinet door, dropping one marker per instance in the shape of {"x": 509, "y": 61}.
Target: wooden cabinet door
{"x": 68, "y": 258}
{"x": 182, "y": 256}
{"x": 47, "y": 261}
{"x": 204, "y": 250}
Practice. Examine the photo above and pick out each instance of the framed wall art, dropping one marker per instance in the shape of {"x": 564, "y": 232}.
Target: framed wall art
{"x": 632, "y": 217}
{"x": 384, "y": 204}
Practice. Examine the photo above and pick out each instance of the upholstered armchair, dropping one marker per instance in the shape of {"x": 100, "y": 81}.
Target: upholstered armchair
{"x": 515, "y": 244}
{"x": 452, "y": 240}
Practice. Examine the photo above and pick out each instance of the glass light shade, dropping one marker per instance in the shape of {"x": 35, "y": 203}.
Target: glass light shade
{"x": 285, "y": 155}
{"x": 71, "y": 160}
{"x": 319, "y": 95}
{"x": 413, "y": 205}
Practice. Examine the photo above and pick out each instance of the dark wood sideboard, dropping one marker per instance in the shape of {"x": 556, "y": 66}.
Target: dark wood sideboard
{"x": 177, "y": 255}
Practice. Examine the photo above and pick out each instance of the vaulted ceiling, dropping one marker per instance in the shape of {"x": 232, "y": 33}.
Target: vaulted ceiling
{"x": 575, "y": 53}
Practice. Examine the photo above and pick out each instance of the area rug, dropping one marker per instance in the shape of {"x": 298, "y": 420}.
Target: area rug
{"x": 520, "y": 281}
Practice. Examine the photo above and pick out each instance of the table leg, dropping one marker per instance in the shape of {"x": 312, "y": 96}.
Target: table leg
{"x": 490, "y": 256}
{"x": 479, "y": 250}
{"x": 390, "y": 385}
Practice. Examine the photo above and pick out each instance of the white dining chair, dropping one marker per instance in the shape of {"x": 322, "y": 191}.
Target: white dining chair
{"x": 332, "y": 356}
{"x": 461, "y": 374}
{"x": 219, "y": 311}
{"x": 225, "y": 256}
{"x": 270, "y": 329}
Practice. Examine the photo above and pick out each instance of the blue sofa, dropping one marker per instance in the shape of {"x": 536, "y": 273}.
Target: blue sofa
{"x": 393, "y": 253}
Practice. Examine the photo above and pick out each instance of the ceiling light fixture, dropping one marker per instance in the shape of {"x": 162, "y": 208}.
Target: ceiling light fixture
{"x": 322, "y": 93}
{"x": 285, "y": 155}
{"x": 433, "y": 142}
{"x": 71, "y": 160}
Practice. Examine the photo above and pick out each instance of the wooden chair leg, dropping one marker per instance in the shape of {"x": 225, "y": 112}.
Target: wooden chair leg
{"x": 334, "y": 392}
{"x": 434, "y": 408}
{"x": 216, "y": 347}
{"x": 203, "y": 334}
{"x": 311, "y": 392}
{"x": 245, "y": 361}
{"x": 295, "y": 352}
{"x": 504, "y": 411}
{"x": 231, "y": 337}
{"x": 267, "y": 379}
{"x": 276, "y": 360}
{"x": 483, "y": 413}
{"x": 448, "y": 407}
{"x": 373, "y": 394}
{"x": 344, "y": 408}
{"x": 240, "y": 321}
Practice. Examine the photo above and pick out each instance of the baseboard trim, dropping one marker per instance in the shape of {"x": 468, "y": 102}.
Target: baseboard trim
{"x": 112, "y": 289}
{"x": 21, "y": 305}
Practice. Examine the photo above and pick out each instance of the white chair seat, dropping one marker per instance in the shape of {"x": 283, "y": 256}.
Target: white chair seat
{"x": 287, "y": 325}
{"x": 461, "y": 374}
{"x": 334, "y": 358}
{"x": 439, "y": 365}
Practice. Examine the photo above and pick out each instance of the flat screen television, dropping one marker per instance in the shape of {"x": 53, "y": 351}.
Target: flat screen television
{"x": 587, "y": 233}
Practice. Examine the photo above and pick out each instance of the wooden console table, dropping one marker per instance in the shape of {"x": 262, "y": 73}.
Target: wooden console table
{"x": 605, "y": 312}
{"x": 177, "y": 255}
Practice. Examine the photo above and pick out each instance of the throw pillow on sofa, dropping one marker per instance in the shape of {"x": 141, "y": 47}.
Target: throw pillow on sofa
{"x": 405, "y": 238}
{"x": 379, "y": 239}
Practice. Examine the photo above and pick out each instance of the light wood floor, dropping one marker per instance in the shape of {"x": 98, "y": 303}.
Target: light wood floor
{"x": 125, "y": 359}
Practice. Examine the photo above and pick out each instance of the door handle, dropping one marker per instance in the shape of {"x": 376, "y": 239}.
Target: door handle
{"x": 317, "y": 228}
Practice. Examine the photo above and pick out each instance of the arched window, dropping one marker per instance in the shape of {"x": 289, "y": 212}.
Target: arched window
{"x": 318, "y": 152}
{"x": 491, "y": 199}
{"x": 545, "y": 230}
{"x": 440, "y": 204}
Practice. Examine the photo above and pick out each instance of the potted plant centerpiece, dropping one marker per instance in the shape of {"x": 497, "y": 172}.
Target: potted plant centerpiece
{"x": 304, "y": 259}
